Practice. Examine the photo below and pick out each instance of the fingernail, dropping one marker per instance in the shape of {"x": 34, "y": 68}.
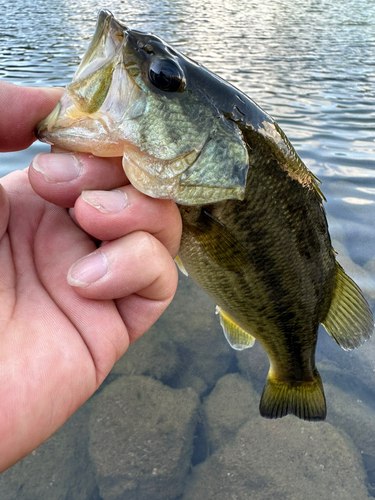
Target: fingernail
{"x": 57, "y": 167}
{"x": 88, "y": 270}
{"x": 107, "y": 202}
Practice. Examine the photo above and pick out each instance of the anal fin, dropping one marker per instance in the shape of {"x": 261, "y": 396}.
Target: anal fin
{"x": 236, "y": 336}
{"x": 349, "y": 320}
{"x": 304, "y": 399}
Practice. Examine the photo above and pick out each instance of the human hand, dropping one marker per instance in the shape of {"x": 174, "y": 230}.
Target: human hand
{"x": 58, "y": 341}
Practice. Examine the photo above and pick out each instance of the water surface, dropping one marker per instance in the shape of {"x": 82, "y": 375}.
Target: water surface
{"x": 311, "y": 66}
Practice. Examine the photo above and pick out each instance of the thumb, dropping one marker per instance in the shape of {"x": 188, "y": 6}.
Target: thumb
{"x": 4, "y": 211}
{"x": 22, "y": 108}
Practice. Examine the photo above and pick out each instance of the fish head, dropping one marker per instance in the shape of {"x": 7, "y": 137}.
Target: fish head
{"x": 135, "y": 96}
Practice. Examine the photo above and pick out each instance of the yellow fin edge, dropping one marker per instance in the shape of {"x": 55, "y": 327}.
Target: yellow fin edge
{"x": 306, "y": 400}
{"x": 180, "y": 265}
{"x": 349, "y": 320}
{"x": 236, "y": 336}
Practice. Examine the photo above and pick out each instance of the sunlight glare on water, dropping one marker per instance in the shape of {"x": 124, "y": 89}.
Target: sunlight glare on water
{"x": 194, "y": 432}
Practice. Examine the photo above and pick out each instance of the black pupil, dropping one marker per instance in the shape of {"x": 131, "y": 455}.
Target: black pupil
{"x": 165, "y": 75}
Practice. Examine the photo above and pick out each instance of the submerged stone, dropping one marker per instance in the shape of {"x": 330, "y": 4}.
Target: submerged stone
{"x": 231, "y": 404}
{"x": 283, "y": 460}
{"x": 60, "y": 468}
{"x": 153, "y": 355}
{"x": 141, "y": 439}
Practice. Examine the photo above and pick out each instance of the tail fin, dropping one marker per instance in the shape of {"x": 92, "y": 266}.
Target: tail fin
{"x": 305, "y": 399}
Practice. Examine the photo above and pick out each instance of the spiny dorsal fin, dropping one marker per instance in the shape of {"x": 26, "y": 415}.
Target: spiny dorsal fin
{"x": 180, "y": 265}
{"x": 236, "y": 336}
{"x": 349, "y": 319}
{"x": 304, "y": 399}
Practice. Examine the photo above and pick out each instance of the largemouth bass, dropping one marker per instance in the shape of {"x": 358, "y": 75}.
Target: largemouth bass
{"x": 255, "y": 235}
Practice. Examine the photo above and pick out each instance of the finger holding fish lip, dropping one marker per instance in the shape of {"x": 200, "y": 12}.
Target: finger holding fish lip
{"x": 60, "y": 177}
{"x": 108, "y": 215}
{"x": 21, "y": 109}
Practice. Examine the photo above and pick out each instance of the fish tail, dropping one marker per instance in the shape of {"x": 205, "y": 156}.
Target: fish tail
{"x": 304, "y": 399}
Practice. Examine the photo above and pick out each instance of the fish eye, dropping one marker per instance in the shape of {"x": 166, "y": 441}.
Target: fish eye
{"x": 166, "y": 75}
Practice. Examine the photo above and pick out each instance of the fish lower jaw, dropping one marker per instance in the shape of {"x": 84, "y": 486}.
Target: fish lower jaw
{"x": 73, "y": 142}
{"x": 48, "y": 123}
{"x": 172, "y": 189}
{"x": 147, "y": 183}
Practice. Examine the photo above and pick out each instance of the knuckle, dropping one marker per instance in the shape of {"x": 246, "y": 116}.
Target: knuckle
{"x": 148, "y": 245}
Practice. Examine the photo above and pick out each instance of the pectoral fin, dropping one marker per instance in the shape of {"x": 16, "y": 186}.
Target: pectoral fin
{"x": 218, "y": 243}
{"x": 349, "y": 320}
{"x": 236, "y": 336}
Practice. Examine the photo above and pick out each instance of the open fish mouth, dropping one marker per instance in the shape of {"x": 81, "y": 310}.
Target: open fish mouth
{"x": 101, "y": 96}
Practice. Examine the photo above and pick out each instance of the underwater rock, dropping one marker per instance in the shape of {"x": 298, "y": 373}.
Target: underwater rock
{"x": 192, "y": 325}
{"x": 141, "y": 439}
{"x": 153, "y": 355}
{"x": 370, "y": 267}
{"x": 286, "y": 459}
{"x": 352, "y": 415}
{"x": 352, "y": 371}
{"x": 59, "y": 468}
{"x": 349, "y": 412}
{"x": 232, "y": 403}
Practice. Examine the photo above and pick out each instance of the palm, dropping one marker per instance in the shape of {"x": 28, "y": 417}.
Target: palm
{"x": 49, "y": 331}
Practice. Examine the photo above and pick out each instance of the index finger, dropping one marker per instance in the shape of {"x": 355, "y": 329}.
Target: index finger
{"x": 61, "y": 177}
{"x": 22, "y": 108}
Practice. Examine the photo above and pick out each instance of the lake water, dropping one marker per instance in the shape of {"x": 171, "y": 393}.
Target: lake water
{"x": 177, "y": 417}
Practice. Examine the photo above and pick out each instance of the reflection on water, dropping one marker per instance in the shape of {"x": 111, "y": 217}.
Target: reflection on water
{"x": 188, "y": 425}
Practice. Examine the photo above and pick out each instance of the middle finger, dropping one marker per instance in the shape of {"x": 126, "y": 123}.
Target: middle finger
{"x": 108, "y": 215}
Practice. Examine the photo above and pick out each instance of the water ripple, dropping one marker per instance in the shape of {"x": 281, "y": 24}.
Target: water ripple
{"x": 311, "y": 67}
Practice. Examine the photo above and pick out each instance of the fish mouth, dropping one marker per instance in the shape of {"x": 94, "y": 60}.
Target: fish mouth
{"x": 104, "y": 95}
{"x": 108, "y": 37}
{"x": 101, "y": 96}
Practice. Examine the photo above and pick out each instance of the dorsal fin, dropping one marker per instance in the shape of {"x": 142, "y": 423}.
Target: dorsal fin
{"x": 236, "y": 336}
{"x": 349, "y": 319}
